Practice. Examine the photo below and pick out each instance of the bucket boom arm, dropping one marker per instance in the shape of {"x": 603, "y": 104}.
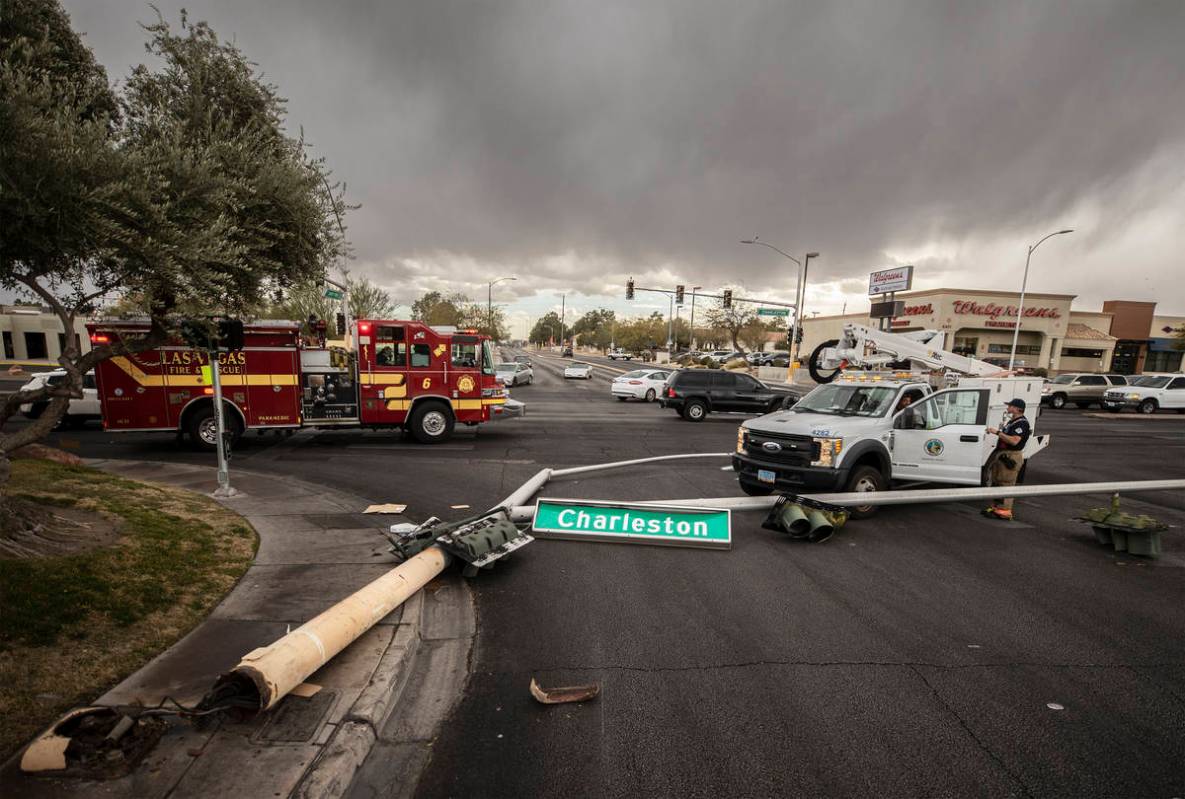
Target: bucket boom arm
{"x": 867, "y": 347}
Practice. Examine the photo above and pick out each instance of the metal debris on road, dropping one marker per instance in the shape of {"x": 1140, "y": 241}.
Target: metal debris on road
{"x": 390, "y": 507}
{"x": 570, "y": 693}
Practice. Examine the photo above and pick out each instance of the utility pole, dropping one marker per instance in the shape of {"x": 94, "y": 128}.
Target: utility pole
{"x": 1023, "y": 285}
{"x": 693, "y": 290}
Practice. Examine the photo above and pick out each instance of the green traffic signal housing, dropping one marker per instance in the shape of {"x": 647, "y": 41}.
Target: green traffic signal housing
{"x": 805, "y": 519}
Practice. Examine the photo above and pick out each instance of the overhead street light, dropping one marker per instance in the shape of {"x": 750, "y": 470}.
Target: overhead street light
{"x": 799, "y": 290}
{"x": 694, "y": 289}
{"x": 1020, "y": 311}
{"x": 490, "y": 303}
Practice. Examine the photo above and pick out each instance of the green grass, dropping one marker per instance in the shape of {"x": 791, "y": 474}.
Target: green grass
{"x": 72, "y": 626}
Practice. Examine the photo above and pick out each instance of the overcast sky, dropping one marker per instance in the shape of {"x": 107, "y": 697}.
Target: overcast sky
{"x": 573, "y": 144}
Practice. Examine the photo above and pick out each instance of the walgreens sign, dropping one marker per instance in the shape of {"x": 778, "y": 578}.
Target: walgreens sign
{"x": 994, "y": 311}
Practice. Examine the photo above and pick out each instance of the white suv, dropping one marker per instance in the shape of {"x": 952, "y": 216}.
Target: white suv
{"x": 1148, "y": 394}
{"x": 79, "y": 411}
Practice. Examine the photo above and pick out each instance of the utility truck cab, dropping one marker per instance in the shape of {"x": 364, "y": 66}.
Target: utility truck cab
{"x": 857, "y": 432}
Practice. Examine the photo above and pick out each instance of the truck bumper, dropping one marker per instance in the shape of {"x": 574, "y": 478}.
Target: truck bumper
{"x": 789, "y": 478}
{"x": 511, "y": 409}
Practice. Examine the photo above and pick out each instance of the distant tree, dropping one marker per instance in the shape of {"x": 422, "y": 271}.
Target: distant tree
{"x": 731, "y": 321}
{"x": 184, "y": 192}
{"x": 434, "y": 308}
{"x": 547, "y": 329}
{"x": 596, "y": 328}
{"x": 488, "y": 321}
{"x": 367, "y": 301}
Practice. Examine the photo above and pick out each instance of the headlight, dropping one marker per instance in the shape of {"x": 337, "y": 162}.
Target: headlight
{"x": 742, "y": 439}
{"x": 829, "y": 449}
{"x": 1133, "y": 396}
{"x": 1045, "y": 390}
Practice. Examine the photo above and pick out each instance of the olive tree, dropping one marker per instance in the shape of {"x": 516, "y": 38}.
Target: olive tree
{"x": 182, "y": 191}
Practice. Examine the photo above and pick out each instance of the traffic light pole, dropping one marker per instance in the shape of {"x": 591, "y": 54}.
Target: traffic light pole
{"x": 224, "y": 489}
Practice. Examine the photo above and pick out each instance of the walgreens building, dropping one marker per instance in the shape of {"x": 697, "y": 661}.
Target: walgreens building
{"x": 1124, "y": 336}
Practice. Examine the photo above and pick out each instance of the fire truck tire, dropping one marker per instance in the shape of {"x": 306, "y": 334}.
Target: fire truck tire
{"x": 202, "y": 429}
{"x": 431, "y": 423}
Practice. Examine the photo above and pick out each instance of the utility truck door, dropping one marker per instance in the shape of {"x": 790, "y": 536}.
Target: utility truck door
{"x": 942, "y": 438}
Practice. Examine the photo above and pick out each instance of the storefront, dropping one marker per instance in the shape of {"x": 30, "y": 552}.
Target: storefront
{"x": 1053, "y": 336}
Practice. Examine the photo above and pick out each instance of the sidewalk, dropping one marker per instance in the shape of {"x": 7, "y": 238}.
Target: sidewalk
{"x": 315, "y": 548}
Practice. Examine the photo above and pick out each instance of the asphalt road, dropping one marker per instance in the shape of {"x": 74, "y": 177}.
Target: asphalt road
{"x": 927, "y": 651}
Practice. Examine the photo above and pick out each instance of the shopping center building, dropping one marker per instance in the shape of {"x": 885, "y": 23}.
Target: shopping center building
{"x": 1124, "y": 336}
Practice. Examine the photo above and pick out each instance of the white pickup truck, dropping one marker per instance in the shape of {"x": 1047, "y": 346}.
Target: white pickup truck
{"x": 854, "y": 434}
{"x": 614, "y": 354}
{"x": 1148, "y": 394}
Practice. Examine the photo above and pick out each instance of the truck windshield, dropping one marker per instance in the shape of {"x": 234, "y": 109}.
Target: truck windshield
{"x": 487, "y": 358}
{"x": 1151, "y": 382}
{"x": 848, "y": 400}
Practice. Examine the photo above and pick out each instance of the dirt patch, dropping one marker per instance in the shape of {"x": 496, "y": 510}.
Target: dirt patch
{"x": 74, "y": 624}
{"x": 38, "y": 529}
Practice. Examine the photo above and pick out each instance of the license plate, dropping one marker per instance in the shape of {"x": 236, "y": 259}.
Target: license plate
{"x": 766, "y": 476}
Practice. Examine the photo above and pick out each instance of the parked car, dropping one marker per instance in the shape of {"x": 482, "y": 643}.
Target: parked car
{"x": 566, "y": 352}
{"x": 1148, "y": 394}
{"x": 695, "y": 393}
{"x": 579, "y": 370}
{"x": 1080, "y": 389}
{"x": 514, "y": 374}
{"x": 768, "y": 358}
{"x": 643, "y": 384}
{"x": 614, "y": 354}
{"x": 78, "y": 412}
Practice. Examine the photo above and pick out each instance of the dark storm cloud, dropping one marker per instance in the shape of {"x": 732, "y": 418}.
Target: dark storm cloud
{"x": 643, "y": 136}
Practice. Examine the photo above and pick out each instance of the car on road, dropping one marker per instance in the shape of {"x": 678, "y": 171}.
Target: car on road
{"x": 614, "y": 354}
{"x": 1082, "y": 390}
{"x": 1148, "y": 394}
{"x": 643, "y": 384}
{"x": 78, "y": 412}
{"x": 512, "y": 373}
{"x": 566, "y": 352}
{"x": 579, "y": 370}
{"x": 694, "y": 393}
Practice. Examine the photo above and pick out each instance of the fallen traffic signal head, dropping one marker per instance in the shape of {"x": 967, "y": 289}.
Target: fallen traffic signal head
{"x": 805, "y": 519}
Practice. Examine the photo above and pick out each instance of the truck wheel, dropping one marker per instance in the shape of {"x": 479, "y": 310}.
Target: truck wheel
{"x": 755, "y": 489}
{"x": 202, "y": 427}
{"x": 431, "y": 423}
{"x": 1057, "y": 401}
{"x": 695, "y": 411}
{"x": 865, "y": 478}
{"x": 1147, "y": 406}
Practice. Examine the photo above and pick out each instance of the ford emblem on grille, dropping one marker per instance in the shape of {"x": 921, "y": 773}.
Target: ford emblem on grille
{"x": 772, "y": 446}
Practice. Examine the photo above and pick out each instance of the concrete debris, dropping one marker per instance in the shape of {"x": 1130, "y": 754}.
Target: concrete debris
{"x": 570, "y": 693}
{"x": 390, "y": 507}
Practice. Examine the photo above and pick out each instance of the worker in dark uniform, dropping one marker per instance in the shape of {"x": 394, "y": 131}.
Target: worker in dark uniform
{"x": 1011, "y": 440}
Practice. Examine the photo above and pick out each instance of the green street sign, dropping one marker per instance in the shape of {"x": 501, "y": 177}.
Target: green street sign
{"x": 590, "y": 520}
{"x": 332, "y": 294}
{"x": 773, "y": 311}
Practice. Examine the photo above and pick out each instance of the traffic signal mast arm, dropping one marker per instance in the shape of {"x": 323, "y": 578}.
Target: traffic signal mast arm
{"x": 868, "y": 347}
{"x": 720, "y": 297}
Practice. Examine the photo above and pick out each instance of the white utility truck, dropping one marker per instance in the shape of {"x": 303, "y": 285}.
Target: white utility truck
{"x": 854, "y": 432}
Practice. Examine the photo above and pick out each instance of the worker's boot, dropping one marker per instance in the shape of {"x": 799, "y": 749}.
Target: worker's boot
{"x": 1002, "y": 513}
{"x": 989, "y": 511}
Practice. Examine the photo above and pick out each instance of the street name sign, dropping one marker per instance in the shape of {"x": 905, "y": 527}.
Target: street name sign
{"x": 773, "y": 311}
{"x": 887, "y": 280}
{"x": 626, "y": 523}
{"x": 332, "y": 294}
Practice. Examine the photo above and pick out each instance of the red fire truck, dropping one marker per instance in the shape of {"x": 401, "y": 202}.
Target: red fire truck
{"x": 393, "y": 374}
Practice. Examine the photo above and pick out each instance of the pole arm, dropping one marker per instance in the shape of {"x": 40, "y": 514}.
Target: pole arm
{"x": 772, "y": 247}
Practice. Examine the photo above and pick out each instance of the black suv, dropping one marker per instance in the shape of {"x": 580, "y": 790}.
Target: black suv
{"x": 695, "y": 393}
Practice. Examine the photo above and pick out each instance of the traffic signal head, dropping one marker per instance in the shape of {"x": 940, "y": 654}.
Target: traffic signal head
{"x": 728, "y": 298}
{"x": 678, "y": 295}
{"x": 629, "y": 289}
{"x": 341, "y": 324}
{"x": 230, "y": 334}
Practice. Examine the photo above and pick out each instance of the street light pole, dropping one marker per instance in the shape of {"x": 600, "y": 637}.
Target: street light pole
{"x": 799, "y": 290}
{"x": 490, "y": 302}
{"x": 694, "y": 289}
{"x": 1020, "y": 311}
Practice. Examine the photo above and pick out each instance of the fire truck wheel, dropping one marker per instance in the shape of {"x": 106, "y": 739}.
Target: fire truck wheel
{"x": 203, "y": 429}
{"x": 431, "y": 423}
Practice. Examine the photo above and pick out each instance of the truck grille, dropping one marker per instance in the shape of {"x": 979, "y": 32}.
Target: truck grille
{"x": 789, "y": 450}
{"x": 1113, "y": 395}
